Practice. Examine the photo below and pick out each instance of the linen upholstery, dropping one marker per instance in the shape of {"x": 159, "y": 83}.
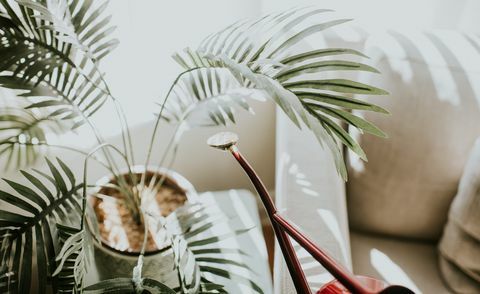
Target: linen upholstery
{"x": 405, "y": 190}
{"x": 460, "y": 243}
{"x": 407, "y": 185}
{"x": 403, "y": 262}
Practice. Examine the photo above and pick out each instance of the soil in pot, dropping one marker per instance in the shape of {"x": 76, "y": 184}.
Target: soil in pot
{"x": 117, "y": 226}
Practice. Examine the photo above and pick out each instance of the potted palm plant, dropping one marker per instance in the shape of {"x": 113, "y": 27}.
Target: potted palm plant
{"x": 51, "y": 53}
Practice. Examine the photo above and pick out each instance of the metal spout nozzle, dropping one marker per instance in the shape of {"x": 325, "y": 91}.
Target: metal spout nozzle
{"x": 223, "y": 140}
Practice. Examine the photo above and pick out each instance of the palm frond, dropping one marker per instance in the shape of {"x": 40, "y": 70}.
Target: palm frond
{"x": 24, "y": 134}
{"x": 28, "y": 230}
{"x": 127, "y": 286}
{"x": 264, "y": 54}
{"x": 52, "y": 52}
{"x": 79, "y": 23}
{"x": 73, "y": 258}
{"x": 201, "y": 260}
{"x": 208, "y": 96}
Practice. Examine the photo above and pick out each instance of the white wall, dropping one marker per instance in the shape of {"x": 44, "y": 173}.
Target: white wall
{"x": 377, "y": 15}
{"x": 140, "y": 70}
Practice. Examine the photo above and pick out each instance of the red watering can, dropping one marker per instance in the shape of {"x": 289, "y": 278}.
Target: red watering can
{"x": 345, "y": 281}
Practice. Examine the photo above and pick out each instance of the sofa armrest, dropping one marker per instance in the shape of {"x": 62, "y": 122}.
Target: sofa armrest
{"x": 311, "y": 194}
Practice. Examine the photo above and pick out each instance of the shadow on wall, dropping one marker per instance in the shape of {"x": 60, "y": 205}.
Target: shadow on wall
{"x": 207, "y": 169}
{"x": 412, "y": 177}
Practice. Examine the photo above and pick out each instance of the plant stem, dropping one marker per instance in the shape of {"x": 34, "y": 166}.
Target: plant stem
{"x": 162, "y": 160}
{"x": 126, "y": 135}
{"x": 137, "y": 270}
{"x": 159, "y": 117}
{"x": 85, "y": 169}
{"x": 169, "y": 166}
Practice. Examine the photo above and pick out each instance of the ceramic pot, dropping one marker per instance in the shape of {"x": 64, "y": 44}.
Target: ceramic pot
{"x": 158, "y": 264}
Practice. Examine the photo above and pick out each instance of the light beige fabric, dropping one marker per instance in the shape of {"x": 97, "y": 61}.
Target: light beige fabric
{"x": 461, "y": 249}
{"x": 456, "y": 279}
{"x": 460, "y": 243}
{"x": 465, "y": 209}
{"x": 408, "y": 263}
{"x": 406, "y": 188}
{"x": 310, "y": 194}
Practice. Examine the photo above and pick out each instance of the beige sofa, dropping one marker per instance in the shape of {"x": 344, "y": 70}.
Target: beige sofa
{"x": 387, "y": 219}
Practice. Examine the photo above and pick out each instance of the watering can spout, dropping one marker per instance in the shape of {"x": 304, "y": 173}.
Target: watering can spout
{"x": 345, "y": 280}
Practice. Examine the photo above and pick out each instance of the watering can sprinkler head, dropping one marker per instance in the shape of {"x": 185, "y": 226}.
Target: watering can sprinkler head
{"x": 223, "y": 140}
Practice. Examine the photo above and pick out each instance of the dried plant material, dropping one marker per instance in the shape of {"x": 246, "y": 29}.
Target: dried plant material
{"x": 117, "y": 227}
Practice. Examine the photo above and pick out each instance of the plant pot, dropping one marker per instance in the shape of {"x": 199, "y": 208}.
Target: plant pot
{"x": 113, "y": 259}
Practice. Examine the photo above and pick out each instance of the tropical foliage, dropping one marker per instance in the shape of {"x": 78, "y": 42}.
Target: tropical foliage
{"x": 51, "y": 52}
{"x": 28, "y": 233}
{"x": 23, "y": 133}
{"x": 264, "y": 55}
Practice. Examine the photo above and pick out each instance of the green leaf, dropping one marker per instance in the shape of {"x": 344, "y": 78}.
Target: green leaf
{"x": 19, "y": 202}
{"x": 67, "y": 172}
{"x": 262, "y": 54}
{"x": 351, "y": 119}
{"x": 76, "y": 245}
{"x": 197, "y": 102}
{"x": 222, "y": 261}
{"x": 126, "y": 285}
{"x": 60, "y": 182}
{"x": 336, "y": 85}
{"x": 219, "y": 251}
{"x": 324, "y": 137}
{"x": 293, "y": 59}
{"x": 195, "y": 246}
{"x": 155, "y": 287}
{"x": 22, "y": 131}
{"x": 19, "y": 248}
{"x": 342, "y": 135}
{"x": 342, "y": 101}
{"x": 27, "y": 193}
{"x": 232, "y": 276}
{"x": 46, "y": 103}
{"x": 38, "y": 56}
{"x": 319, "y": 66}
{"x": 215, "y": 239}
{"x": 116, "y": 285}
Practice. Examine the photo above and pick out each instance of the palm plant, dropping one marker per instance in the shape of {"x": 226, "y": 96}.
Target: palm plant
{"x": 51, "y": 52}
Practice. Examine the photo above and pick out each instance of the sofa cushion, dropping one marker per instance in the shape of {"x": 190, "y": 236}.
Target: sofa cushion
{"x": 460, "y": 243}
{"x": 406, "y": 187}
{"x": 412, "y": 264}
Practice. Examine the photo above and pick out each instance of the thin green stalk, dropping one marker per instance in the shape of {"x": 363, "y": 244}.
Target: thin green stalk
{"x": 137, "y": 270}
{"x": 85, "y": 169}
{"x": 164, "y": 156}
{"x": 113, "y": 167}
{"x": 126, "y": 135}
{"x": 157, "y": 122}
{"x": 127, "y": 142}
{"x": 169, "y": 166}
{"x": 69, "y": 61}
{"x": 95, "y": 131}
